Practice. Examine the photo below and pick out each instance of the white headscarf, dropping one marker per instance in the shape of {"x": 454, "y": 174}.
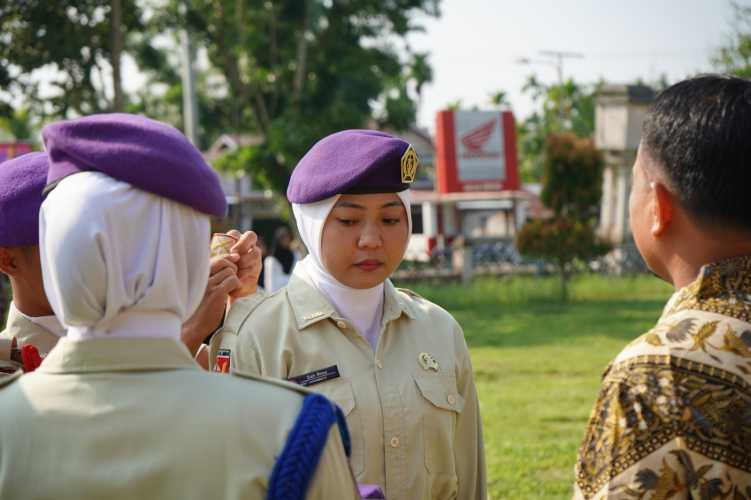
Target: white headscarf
{"x": 363, "y": 307}
{"x": 118, "y": 261}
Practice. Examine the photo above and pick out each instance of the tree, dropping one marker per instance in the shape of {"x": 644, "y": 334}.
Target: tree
{"x": 567, "y": 107}
{"x": 572, "y": 188}
{"x": 294, "y": 71}
{"x": 18, "y": 123}
{"x": 79, "y": 42}
{"x": 735, "y": 57}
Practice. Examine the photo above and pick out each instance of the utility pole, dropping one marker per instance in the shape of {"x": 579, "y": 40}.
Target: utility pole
{"x": 117, "y": 49}
{"x": 190, "y": 104}
{"x": 554, "y": 58}
{"x": 558, "y": 58}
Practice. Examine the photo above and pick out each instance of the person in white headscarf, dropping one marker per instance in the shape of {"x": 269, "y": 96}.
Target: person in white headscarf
{"x": 397, "y": 364}
{"x": 118, "y": 408}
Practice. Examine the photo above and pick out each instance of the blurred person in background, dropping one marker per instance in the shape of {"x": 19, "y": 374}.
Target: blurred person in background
{"x": 280, "y": 262}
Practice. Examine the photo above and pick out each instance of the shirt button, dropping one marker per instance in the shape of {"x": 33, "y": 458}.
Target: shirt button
{"x": 342, "y": 325}
{"x": 451, "y": 399}
{"x": 379, "y": 364}
{"x": 395, "y": 442}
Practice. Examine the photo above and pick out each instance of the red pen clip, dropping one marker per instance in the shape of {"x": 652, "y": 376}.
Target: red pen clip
{"x": 30, "y": 358}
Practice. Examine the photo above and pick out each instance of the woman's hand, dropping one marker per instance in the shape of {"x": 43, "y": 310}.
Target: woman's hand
{"x": 248, "y": 263}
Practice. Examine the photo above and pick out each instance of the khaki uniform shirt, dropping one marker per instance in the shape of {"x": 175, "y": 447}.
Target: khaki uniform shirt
{"x": 411, "y": 406}
{"x": 673, "y": 418}
{"x": 126, "y": 418}
{"x": 25, "y": 332}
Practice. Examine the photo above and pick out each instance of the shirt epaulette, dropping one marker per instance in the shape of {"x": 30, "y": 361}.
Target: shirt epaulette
{"x": 8, "y": 379}
{"x": 238, "y": 315}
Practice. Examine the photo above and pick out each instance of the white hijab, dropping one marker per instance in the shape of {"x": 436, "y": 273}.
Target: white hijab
{"x": 121, "y": 262}
{"x": 362, "y": 307}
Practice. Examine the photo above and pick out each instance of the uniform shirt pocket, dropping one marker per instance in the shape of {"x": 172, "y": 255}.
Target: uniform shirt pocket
{"x": 441, "y": 407}
{"x": 340, "y": 392}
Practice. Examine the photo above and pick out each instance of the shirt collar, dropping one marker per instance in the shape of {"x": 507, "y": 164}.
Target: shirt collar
{"x": 727, "y": 282}
{"x": 48, "y": 323}
{"x": 117, "y": 354}
{"x": 310, "y": 306}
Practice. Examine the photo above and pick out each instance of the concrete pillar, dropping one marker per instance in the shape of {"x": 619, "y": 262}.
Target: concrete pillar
{"x": 450, "y": 223}
{"x": 429, "y": 219}
{"x": 606, "y": 204}
{"x": 620, "y": 226}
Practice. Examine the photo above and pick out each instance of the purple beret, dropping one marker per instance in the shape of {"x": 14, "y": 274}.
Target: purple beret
{"x": 353, "y": 162}
{"x": 148, "y": 154}
{"x": 22, "y": 181}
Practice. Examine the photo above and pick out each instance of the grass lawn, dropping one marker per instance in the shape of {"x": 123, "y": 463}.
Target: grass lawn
{"x": 538, "y": 363}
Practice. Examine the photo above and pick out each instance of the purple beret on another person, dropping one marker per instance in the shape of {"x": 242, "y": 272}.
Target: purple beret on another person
{"x": 353, "y": 162}
{"x": 22, "y": 181}
{"x": 145, "y": 153}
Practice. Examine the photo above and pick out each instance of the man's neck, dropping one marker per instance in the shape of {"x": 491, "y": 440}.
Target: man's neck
{"x": 32, "y": 303}
{"x": 684, "y": 266}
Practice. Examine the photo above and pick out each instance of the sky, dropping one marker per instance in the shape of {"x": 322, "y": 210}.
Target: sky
{"x": 475, "y": 45}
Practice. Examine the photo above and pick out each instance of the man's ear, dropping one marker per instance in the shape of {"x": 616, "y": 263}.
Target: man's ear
{"x": 663, "y": 206}
{"x": 7, "y": 261}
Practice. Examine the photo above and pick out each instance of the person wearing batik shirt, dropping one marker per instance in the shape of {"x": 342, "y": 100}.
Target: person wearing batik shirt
{"x": 673, "y": 417}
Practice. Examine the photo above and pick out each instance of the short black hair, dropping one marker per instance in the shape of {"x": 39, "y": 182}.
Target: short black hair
{"x": 698, "y": 131}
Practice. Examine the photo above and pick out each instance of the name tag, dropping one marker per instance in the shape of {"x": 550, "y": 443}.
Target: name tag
{"x": 316, "y": 377}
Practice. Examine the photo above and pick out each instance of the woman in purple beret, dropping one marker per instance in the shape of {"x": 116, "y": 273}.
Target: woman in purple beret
{"x": 396, "y": 364}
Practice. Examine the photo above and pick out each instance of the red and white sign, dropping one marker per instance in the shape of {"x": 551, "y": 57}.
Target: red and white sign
{"x": 476, "y": 151}
{"x": 11, "y": 150}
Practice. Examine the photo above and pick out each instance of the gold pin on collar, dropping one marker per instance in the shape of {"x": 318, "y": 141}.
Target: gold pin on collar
{"x": 410, "y": 162}
{"x": 428, "y": 362}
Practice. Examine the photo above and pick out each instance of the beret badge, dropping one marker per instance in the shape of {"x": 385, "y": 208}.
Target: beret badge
{"x": 410, "y": 162}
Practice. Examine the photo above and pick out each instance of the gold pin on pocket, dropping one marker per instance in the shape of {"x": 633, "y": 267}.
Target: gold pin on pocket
{"x": 428, "y": 362}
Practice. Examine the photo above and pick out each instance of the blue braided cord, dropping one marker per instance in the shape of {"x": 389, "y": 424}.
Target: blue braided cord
{"x": 341, "y": 421}
{"x": 294, "y": 468}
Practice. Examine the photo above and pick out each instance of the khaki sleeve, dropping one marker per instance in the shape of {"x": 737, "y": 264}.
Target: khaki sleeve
{"x": 234, "y": 338}
{"x": 469, "y": 450}
{"x": 333, "y": 477}
{"x": 246, "y": 358}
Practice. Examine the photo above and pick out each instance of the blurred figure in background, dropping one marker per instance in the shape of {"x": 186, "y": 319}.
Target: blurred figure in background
{"x": 280, "y": 262}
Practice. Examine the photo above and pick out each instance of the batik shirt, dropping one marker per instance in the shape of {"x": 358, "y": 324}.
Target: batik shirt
{"x": 673, "y": 418}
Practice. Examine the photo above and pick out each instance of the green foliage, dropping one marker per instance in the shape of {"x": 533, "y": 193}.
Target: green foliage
{"x": 18, "y": 123}
{"x": 294, "y": 71}
{"x": 69, "y": 38}
{"x": 567, "y": 107}
{"x": 735, "y": 58}
{"x": 561, "y": 239}
{"x": 537, "y": 365}
{"x": 572, "y": 176}
{"x": 572, "y": 180}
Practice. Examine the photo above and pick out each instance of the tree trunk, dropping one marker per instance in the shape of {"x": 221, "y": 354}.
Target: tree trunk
{"x": 118, "y": 103}
{"x": 564, "y": 281}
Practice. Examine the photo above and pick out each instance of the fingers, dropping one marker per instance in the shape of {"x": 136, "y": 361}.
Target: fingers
{"x": 228, "y": 285}
{"x": 247, "y": 242}
{"x": 222, "y": 279}
{"x": 222, "y": 262}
